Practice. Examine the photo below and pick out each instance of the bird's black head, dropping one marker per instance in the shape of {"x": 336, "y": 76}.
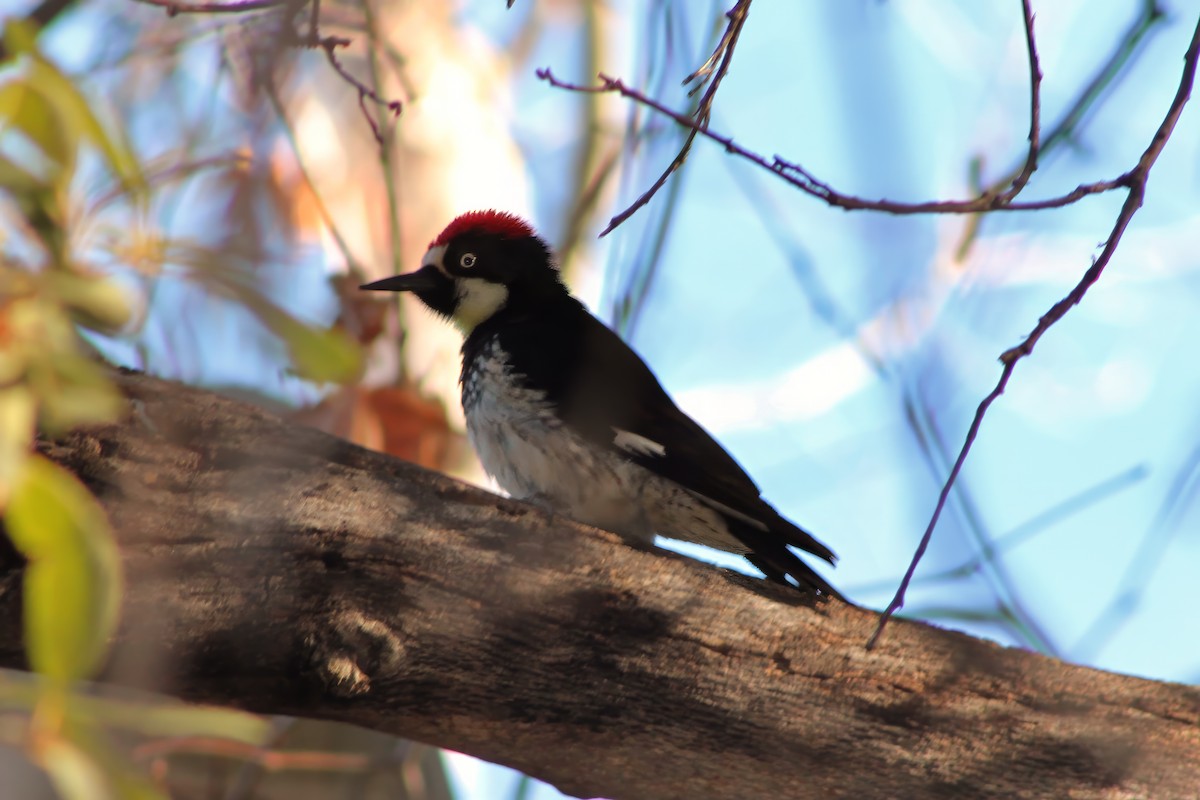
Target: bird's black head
{"x": 481, "y": 263}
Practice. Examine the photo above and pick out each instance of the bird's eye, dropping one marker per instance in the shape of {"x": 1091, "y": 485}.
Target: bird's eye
{"x": 467, "y": 261}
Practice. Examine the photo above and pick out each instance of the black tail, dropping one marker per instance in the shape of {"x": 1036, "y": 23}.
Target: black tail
{"x": 770, "y": 554}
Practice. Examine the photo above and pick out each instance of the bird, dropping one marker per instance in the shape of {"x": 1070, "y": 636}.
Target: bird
{"x": 564, "y": 414}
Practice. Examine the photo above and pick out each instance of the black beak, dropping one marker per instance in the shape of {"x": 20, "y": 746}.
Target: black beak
{"x": 427, "y": 278}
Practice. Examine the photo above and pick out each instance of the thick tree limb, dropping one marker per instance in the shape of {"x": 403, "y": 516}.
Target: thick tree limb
{"x": 277, "y": 569}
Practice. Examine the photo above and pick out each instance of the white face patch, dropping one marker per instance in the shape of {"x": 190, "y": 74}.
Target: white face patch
{"x": 477, "y": 300}
{"x": 434, "y": 257}
{"x": 638, "y": 445}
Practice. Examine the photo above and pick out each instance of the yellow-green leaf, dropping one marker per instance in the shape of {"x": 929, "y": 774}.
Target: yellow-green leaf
{"x": 128, "y": 783}
{"x": 18, "y": 413}
{"x": 169, "y": 718}
{"x": 319, "y": 354}
{"x": 28, "y": 109}
{"x": 78, "y": 117}
{"x": 153, "y": 717}
{"x": 75, "y": 390}
{"x": 73, "y": 581}
{"x": 20, "y": 36}
{"x": 74, "y": 773}
{"x": 95, "y": 301}
{"x": 17, "y": 179}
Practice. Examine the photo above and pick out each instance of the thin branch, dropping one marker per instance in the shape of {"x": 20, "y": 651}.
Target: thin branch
{"x": 330, "y": 44}
{"x": 1135, "y": 182}
{"x": 235, "y": 7}
{"x": 343, "y": 246}
{"x": 698, "y": 121}
{"x": 938, "y": 454}
{"x": 592, "y": 166}
{"x": 1035, "y": 108}
{"x": 1065, "y": 128}
{"x": 310, "y": 39}
{"x": 805, "y": 181}
{"x": 1038, "y": 524}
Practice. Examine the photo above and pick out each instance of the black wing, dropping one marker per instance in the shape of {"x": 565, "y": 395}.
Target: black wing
{"x": 601, "y": 386}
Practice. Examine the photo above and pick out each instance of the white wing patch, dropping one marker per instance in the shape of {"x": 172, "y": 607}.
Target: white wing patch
{"x": 638, "y": 445}
{"x": 724, "y": 509}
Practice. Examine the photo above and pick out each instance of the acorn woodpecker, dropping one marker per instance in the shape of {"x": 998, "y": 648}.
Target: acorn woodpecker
{"x": 564, "y": 414}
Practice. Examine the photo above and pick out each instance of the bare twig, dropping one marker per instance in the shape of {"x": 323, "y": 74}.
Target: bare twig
{"x": 1035, "y": 108}
{"x": 1135, "y": 182}
{"x": 1062, "y": 131}
{"x": 330, "y": 44}
{"x": 386, "y": 138}
{"x": 593, "y": 166}
{"x": 343, "y": 246}
{"x": 235, "y": 7}
{"x": 1065, "y": 128}
{"x": 805, "y": 181}
{"x": 311, "y": 39}
{"x": 1022, "y": 533}
{"x": 698, "y": 121}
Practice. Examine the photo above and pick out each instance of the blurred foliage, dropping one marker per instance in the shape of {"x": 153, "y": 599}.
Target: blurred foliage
{"x": 59, "y": 295}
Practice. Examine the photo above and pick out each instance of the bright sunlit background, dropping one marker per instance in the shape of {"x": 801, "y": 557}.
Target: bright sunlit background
{"x": 840, "y": 356}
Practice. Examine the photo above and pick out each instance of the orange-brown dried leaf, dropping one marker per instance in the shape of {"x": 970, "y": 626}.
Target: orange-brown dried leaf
{"x": 396, "y": 420}
{"x": 415, "y": 428}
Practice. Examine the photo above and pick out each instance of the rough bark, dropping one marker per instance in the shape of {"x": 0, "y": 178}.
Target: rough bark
{"x": 277, "y": 569}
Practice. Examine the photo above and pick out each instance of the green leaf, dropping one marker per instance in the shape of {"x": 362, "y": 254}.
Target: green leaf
{"x": 73, "y": 581}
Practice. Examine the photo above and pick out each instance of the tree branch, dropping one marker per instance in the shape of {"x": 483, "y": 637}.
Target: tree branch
{"x": 275, "y": 568}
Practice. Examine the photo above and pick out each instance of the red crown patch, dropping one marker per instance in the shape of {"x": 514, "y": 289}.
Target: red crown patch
{"x": 499, "y": 223}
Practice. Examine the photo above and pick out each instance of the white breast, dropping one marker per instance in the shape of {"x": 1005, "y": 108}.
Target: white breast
{"x": 533, "y": 456}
